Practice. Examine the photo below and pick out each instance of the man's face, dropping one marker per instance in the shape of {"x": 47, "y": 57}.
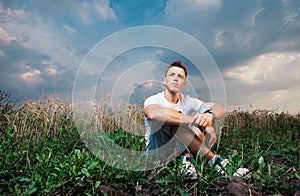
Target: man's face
{"x": 175, "y": 79}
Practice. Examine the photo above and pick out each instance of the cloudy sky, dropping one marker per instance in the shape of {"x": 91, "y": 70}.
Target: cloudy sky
{"x": 255, "y": 44}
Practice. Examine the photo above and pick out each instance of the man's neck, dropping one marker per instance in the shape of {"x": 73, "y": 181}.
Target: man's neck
{"x": 171, "y": 97}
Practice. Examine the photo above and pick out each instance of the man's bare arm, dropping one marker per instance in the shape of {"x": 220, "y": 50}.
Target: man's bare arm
{"x": 167, "y": 115}
{"x": 173, "y": 117}
{"x": 218, "y": 109}
{"x": 206, "y": 119}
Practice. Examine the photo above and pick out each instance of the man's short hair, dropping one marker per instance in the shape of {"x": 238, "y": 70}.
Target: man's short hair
{"x": 177, "y": 64}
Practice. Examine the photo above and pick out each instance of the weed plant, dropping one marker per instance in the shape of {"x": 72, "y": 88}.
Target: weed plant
{"x": 42, "y": 153}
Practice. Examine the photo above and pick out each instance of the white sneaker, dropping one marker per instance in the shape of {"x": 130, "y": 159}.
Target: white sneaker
{"x": 188, "y": 168}
{"x": 242, "y": 172}
{"x": 220, "y": 163}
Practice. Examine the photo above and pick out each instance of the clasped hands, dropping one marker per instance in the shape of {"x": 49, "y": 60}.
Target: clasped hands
{"x": 205, "y": 120}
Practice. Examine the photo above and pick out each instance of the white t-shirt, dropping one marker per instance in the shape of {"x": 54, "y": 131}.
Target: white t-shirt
{"x": 186, "y": 105}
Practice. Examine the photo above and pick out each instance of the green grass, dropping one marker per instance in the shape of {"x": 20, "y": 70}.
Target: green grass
{"x": 41, "y": 153}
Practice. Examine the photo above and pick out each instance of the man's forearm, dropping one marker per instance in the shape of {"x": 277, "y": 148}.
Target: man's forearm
{"x": 219, "y": 111}
{"x": 168, "y": 116}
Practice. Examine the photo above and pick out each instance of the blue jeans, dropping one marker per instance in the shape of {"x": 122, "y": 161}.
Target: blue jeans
{"x": 164, "y": 145}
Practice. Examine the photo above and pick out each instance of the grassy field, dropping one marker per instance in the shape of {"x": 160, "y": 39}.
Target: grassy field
{"x": 42, "y": 153}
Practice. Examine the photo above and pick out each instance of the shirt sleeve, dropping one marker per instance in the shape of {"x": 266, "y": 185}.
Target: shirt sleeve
{"x": 203, "y": 108}
{"x": 151, "y": 100}
{"x": 196, "y": 105}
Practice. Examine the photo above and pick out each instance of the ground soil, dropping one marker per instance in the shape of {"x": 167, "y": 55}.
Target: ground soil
{"x": 232, "y": 187}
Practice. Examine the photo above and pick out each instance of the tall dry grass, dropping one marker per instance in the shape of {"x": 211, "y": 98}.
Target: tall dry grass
{"x": 50, "y": 117}
{"x": 266, "y": 119}
{"x": 107, "y": 117}
{"x": 46, "y": 118}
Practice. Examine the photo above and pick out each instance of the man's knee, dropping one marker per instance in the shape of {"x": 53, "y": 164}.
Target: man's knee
{"x": 198, "y": 133}
{"x": 183, "y": 132}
